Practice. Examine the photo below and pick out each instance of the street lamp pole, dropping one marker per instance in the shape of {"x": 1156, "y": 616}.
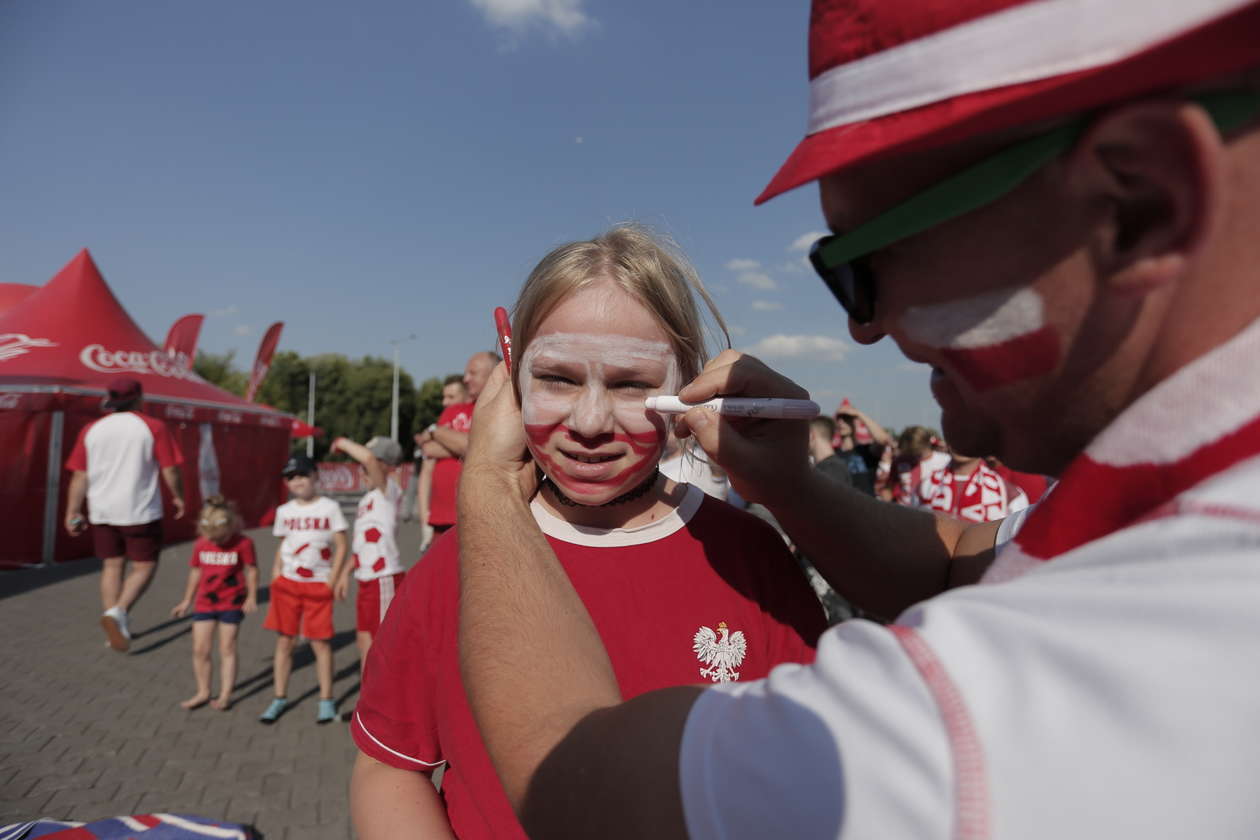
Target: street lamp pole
{"x": 393, "y": 415}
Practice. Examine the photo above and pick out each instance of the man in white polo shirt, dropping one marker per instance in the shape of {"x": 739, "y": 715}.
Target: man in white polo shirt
{"x": 1053, "y": 206}
{"x": 116, "y": 462}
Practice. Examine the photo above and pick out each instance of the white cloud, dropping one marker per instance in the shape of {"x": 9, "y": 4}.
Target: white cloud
{"x": 805, "y": 240}
{"x": 243, "y": 329}
{"x": 794, "y": 266}
{"x": 579, "y": 140}
{"x": 227, "y": 310}
{"x": 736, "y": 329}
{"x": 757, "y": 280}
{"x": 766, "y": 305}
{"x": 820, "y": 347}
{"x": 743, "y": 265}
{"x": 567, "y": 16}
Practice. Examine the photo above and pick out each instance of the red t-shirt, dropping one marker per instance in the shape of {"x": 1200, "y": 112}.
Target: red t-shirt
{"x": 222, "y": 584}
{"x": 655, "y": 593}
{"x": 446, "y": 470}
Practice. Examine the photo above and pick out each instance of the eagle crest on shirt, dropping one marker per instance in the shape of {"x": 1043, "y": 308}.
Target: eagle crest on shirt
{"x": 719, "y": 654}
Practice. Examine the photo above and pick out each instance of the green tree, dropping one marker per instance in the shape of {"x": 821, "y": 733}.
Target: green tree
{"x": 428, "y": 402}
{"x": 217, "y": 369}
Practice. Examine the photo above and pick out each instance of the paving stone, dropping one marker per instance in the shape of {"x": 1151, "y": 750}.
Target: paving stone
{"x": 92, "y": 733}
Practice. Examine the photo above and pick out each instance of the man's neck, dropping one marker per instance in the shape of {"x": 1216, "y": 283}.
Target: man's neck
{"x": 965, "y": 468}
{"x": 822, "y": 452}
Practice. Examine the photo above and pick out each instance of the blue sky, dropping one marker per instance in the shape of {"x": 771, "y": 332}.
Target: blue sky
{"x": 364, "y": 172}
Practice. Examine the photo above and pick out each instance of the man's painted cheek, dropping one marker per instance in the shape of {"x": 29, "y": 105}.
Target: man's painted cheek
{"x": 992, "y": 340}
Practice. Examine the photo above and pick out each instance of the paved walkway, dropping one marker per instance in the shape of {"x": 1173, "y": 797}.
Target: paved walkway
{"x": 86, "y": 732}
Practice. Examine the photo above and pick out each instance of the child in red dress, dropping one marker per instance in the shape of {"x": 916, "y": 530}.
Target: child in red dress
{"x": 224, "y": 581}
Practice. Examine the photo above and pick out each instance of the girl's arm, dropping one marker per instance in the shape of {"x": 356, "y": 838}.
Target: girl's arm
{"x": 251, "y": 589}
{"x": 277, "y": 565}
{"x": 388, "y": 803}
{"x": 376, "y": 473}
{"x": 190, "y": 589}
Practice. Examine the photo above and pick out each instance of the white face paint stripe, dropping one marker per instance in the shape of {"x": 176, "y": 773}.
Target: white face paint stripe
{"x": 594, "y": 352}
{"x": 980, "y": 321}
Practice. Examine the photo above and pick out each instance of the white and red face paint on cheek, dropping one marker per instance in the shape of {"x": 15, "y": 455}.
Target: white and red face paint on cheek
{"x": 992, "y": 340}
{"x": 592, "y": 410}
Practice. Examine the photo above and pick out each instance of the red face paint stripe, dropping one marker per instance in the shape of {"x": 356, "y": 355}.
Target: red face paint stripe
{"x": 984, "y": 368}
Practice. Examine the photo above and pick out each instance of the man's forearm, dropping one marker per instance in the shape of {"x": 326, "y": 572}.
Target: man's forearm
{"x": 76, "y": 492}
{"x": 456, "y": 442}
{"x": 525, "y": 637}
{"x": 174, "y": 481}
{"x": 881, "y": 556}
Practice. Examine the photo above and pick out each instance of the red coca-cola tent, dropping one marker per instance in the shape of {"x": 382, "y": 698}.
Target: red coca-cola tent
{"x": 59, "y": 347}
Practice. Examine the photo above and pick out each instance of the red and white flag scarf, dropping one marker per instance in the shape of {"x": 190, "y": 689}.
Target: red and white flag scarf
{"x": 1199, "y": 422}
{"x": 983, "y": 496}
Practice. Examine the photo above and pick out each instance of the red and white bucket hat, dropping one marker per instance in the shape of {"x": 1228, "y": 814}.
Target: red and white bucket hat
{"x": 894, "y": 76}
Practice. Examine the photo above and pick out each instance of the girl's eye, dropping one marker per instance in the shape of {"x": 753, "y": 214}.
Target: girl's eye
{"x": 632, "y": 386}
{"x": 553, "y": 380}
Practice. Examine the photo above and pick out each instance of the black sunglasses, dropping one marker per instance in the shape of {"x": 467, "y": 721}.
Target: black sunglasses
{"x": 852, "y": 282}
{"x": 841, "y": 259}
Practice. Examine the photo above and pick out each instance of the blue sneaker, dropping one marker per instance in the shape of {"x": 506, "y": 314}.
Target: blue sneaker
{"x": 327, "y": 712}
{"x": 277, "y": 707}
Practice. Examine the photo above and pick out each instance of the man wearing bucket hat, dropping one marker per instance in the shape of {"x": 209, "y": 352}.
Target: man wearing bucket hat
{"x": 1053, "y": 203}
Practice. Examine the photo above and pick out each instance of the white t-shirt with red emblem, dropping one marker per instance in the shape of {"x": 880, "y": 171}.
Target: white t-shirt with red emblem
{"x": 122, "y": 454}
{"x": 375, "y": 528}
{"x": 306, "y": 551}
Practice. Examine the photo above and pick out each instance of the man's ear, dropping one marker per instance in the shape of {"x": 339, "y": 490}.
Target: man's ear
{"x": 1157, "y": 166}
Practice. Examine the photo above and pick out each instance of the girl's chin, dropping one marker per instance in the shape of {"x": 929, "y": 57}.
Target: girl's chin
{"x": 592, "y": 493}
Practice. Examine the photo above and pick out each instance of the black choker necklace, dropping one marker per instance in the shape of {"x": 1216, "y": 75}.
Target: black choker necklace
{"x": 628, "y": 496}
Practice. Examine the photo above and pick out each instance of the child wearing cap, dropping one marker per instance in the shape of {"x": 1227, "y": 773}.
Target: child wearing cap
{"x": 307, "y": 574}
{"x": 374, "y": 560}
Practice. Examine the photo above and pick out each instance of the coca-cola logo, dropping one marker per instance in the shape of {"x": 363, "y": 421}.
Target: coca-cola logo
{"x": 231, "y": 417}
{"x": 13, "y": 345}
{"x": 157, "y": 362}
{"x": 183, "y": 412}
{"x": 270, "y": 420}
{"x": 10, "y": 400}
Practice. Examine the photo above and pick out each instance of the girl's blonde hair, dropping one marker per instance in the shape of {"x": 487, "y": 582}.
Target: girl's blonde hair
{"x": 218, "y": 520}
{"x": 649, "y": 268}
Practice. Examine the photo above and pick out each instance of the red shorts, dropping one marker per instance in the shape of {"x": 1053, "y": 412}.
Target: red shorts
{"x": 374, "y": 599}
{"x": 300, "y": 609}
{"x": 138, "y": 543}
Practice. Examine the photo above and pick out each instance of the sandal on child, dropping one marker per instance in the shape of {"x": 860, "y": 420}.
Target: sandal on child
{"x": 327, "y": 712}
{"x": 277, "y": 707}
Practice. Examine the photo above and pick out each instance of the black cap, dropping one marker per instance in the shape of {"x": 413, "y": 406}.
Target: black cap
{"x": 123, "y": 390}
{"x": 298, "y": 465}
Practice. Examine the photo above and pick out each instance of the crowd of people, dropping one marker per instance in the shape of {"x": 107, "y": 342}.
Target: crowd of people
{"x": 1054, "y": 598}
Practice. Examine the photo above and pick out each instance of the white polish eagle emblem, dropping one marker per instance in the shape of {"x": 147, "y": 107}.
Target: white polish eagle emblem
{"x": 720, "y": 656}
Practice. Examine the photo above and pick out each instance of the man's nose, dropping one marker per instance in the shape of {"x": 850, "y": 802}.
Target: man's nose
{"x": 865, "y": 333}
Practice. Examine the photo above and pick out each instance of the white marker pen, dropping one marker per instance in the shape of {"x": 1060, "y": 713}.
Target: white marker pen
{"x": 767, "y": 408}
